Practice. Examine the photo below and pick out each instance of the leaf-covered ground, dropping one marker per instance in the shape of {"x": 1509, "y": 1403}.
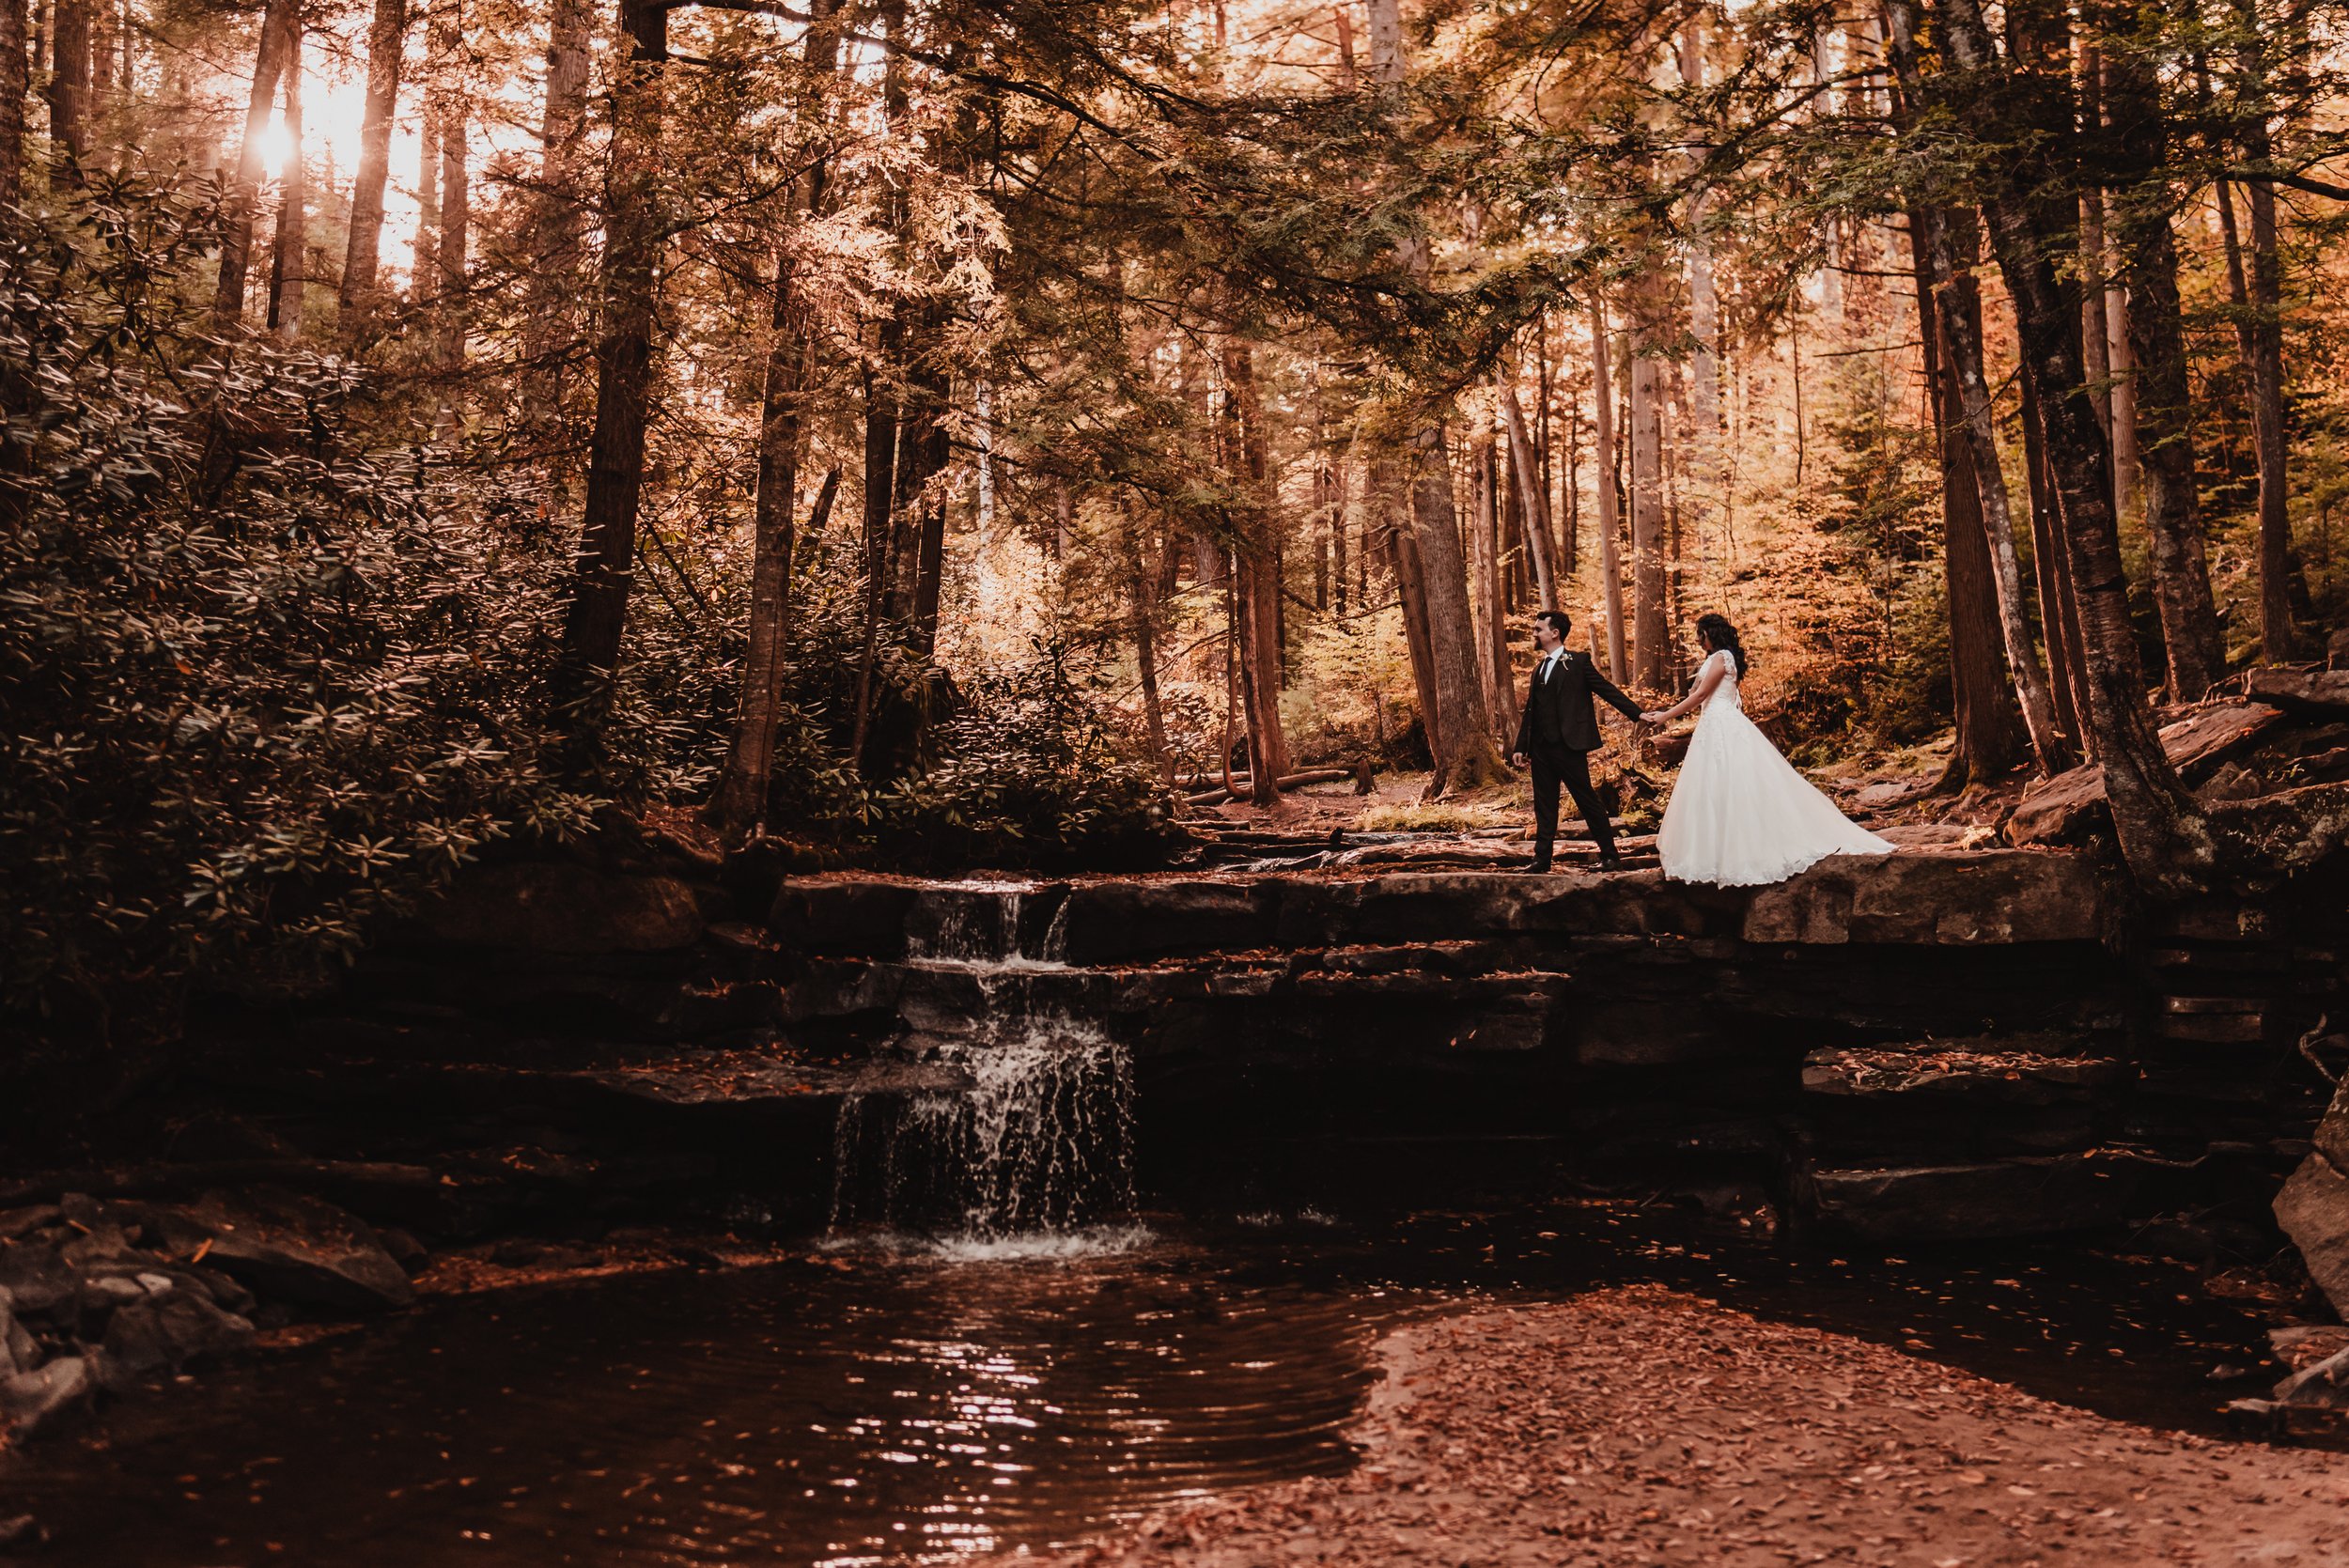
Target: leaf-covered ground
{"x": 1646, "y": 1426}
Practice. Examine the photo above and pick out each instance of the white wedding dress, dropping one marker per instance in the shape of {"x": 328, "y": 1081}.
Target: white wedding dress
{"x": 1740, "y": 815}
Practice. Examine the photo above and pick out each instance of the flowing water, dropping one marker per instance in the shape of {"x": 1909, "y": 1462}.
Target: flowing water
{"x": 992, "y": 1349}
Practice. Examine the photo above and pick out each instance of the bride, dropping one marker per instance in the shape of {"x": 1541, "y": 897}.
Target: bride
{"x": 1740, "y": 815}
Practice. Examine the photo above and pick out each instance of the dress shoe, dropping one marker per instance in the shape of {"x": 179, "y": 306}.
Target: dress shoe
{"x": 1610, "y": 861}
{"x": 1539, "y": 868}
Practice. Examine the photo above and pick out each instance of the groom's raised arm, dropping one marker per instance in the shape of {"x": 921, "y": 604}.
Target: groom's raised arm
{"x": 1602, "y": 686}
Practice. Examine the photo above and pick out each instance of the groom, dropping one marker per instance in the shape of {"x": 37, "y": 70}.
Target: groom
{"x": 1559, "y": 732}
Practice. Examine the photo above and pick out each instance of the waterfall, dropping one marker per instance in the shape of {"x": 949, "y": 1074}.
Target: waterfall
{"x": 1019, "y": 1132}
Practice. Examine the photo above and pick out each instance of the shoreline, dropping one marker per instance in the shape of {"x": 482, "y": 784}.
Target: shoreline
{"x": 1641, "y": 1424}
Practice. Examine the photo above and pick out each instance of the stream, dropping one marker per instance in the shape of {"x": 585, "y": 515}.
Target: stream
{"x": 887, "y": 1402}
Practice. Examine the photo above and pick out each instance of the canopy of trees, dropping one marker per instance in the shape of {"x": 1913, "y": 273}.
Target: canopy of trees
{"x": 930, "y": 429}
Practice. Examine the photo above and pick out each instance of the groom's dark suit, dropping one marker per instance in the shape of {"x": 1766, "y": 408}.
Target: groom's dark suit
{"x": 1557, "y": 734}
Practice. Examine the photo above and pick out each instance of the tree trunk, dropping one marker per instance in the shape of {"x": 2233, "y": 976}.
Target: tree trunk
{"x": 881, "y": 492}
{"x": 1532, "y": 496}
{"x": 2162, "y": 833}
{"x": 446, "y": 49}
{"x": 1989, "y": 738}
{"x": 558, "y": 233}
{"x": 236, "y": 243}
{"x": 387, "y": 41}
{"x": 68, "y": 82}
{"x": 1651, "y": 654}
{"x": 1466, "y": 758}
{"x": 2264, "y": 331}
{"x": 1701, "y": 486}
{"x": 597, "y": 613}
{"x": 14, "y": 84}
{"x": 1145, "y": 605}
{"x": 289, "y": 256}
{"x": 1469, "y": 759}
{"x": 2058, "y": 619}
{"x": 740, "y": 800}
{"x": 2159, "y": 414}
{"x": 1411, "y": 593}
{"x": 1256, "y": 591}
{"x": 1948, "y": 244}
{"x": 1484, "y": 539}
{"x": 1603, "y": 484}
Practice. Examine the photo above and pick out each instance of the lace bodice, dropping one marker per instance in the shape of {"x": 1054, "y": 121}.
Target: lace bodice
{"x": 1726, "y": 692}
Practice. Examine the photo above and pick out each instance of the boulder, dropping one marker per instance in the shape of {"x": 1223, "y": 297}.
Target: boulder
{"x": 166, "y": 1331}
{"x": 1964, "y": 1202}
{"x": 1942, "y": 898}
{"x": 2313, "y": 1210}
{"x": 303, "y": 1248}
{"x": 31, "y": 1401}
{"x": 559, "y": 907}
{"x": 35, "y": 1276}
{"x": 2320, "y": 692}
{"x": 2070, "y": 807}
{"x": 23, "y": 1222}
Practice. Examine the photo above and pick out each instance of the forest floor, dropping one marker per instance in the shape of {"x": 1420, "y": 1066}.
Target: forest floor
{"x": 1642, "y": 1425}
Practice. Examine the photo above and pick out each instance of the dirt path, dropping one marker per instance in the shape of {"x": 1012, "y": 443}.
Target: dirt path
{"x": 1644, "y": 1426}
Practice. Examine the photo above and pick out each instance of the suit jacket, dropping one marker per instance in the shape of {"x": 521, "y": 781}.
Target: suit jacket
{"x": 1559, "y": 715}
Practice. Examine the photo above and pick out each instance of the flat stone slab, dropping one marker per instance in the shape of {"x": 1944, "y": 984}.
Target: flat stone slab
{"x": 1932, "y": 897}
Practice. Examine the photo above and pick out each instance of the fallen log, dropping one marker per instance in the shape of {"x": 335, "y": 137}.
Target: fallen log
{"x": 1242, "y": 784}
{"x": 2313, "y": 691}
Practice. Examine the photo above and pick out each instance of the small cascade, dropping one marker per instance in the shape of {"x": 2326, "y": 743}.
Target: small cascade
{"x": 1022, "y": 1128}
{"x": 976, "y": 925}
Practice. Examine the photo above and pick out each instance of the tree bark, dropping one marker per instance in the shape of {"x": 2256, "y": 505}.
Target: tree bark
{"x": 1989, "y": 738}
{"x": 598, "y": 613}
{"x": 1485, "y": 540}
{"x": 14, "y": 84}
{"x": 1411, "y": 593}
{"x": 452, "y": 247}
{"x": 1603, "y": 484}
{"x": 1651, "y": 654}
{"x": 291, "y": 253}
{"x": 68, "y": 82}
{"x": 2265, "y": 344}
{"x": 235, "y": 247}
{"x": 558, "y": 229}
{"x": 387, "y": 43}
{"x": 1256, "y": 591}
{"x": 1469, "y": 758}
{"x": 2160, "y": 411}
{"x": 1532, "y": 496}
{"x": 2162, "y": 834}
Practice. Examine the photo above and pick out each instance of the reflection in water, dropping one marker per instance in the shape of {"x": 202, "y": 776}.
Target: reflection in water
{"x": 869, "y": 1406}
{"x": 844, "y": 1410}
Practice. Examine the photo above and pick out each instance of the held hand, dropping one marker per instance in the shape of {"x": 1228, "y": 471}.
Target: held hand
{"x": 1516, "y": 759}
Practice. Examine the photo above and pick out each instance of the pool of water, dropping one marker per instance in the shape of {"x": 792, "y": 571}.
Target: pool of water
{"x": 874, "y": 1404}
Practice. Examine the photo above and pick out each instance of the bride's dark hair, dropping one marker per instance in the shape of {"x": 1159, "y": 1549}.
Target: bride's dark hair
{"x": 1719, "y": 634}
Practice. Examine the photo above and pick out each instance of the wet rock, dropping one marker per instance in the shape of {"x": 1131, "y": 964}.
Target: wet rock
{"x": 1979, "y": 1070}
{"x": 19, "y": 1531}
{"x": 1988, "y": 1198}
{"x": 556, "y": 907}
{"x": 165, "y": 1331}
{"x": 2303, "y": 1344}
{"x": 284, "y": 1244}
{"x": 1963, "y": 898}
{"x": 32, "y": 1401}
{"x": 23, "y": 1222}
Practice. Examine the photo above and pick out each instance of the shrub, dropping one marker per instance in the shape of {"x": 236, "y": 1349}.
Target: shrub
{"x": 263, "y": 681}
